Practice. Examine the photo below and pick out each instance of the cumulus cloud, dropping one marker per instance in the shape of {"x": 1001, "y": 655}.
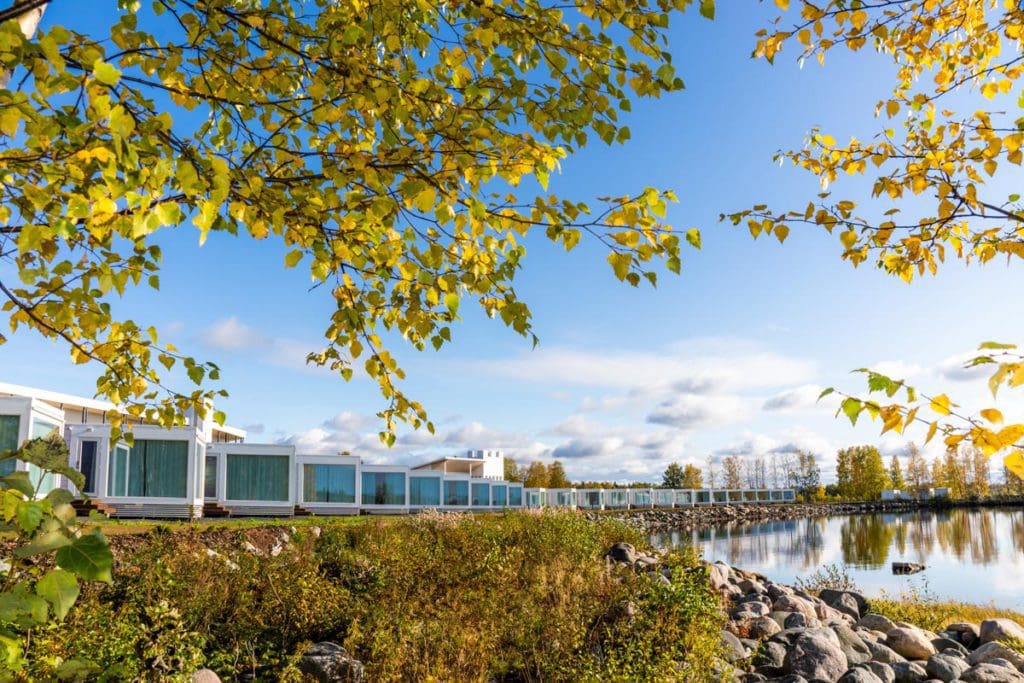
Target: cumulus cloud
{"x": 804, "y": 397}
{"x": 347, "y": 421}
{"x": 953, "y": 368}
{"x": 688, "y": 411}
{"x": 231, "y": 334}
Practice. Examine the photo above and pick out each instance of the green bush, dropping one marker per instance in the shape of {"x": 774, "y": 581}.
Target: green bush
{"x": 516, "y": 597}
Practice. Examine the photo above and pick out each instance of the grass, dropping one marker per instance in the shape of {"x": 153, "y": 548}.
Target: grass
{"x": 505, "y": 597}
{"x": 919, "y": 606}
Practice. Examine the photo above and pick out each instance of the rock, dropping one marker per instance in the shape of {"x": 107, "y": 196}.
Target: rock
{"x": 329, "y": 663}
{"x": 999, "y": 661}
{"x": 770, "y": 654}
{"x": 853, "y": 647}
{"x": 751, "y": 586}
{"x": 883, "y": 671}
{"x": 908, "y": 672}
{"x": 880, "y": 652}
{"x": 798, "y": 620}
{"x": 763, "y": 627}
{"x": 990, "y": 651}
{"x": 843, "y": 600}
{"x": 910, "y": 642}
{"x": 816, "y": 654}
{"x": 204, "y": 676}
{"x": 859, "y": 675}
{"x": 791, "y": 678}
{"x": 792, "y": 603}
{"x": 942, "y": 644}
{"x": 776, "y": 591}
{"x": 876, "y": 622}
{"x": 733, "y": 648}
{"x": 999, "y": 629}
{"x": 945, "y": 667}
{"x": 750, "y": 610}
{"x": 626, "y": 554}
{"x": 907, "y": 568}
{"x": 967, "y": 634}
{"x": 990, "y": 673}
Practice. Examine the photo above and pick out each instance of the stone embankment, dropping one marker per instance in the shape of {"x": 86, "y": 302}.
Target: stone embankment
{"x": 699, "y": 517}
{"x": 787, "y": 635}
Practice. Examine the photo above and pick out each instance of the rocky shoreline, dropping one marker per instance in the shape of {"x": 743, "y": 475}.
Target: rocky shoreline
{"x": 689, "y": 518}
{"x": 783, "y": 634}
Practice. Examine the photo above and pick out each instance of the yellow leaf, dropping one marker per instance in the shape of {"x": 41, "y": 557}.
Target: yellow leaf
{"x": 992, "y": 415}
{"x": 1015, "y": 463}
{"x": 940, "y": 404}
{"x": 783, "y": 4}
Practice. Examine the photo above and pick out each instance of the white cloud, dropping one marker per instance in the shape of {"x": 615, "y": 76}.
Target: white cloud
{"x": 804, "y": 397}
{"x": 231, "y": 334}
{"x": 688, "y": 411}
{"x": 953, "y": 369}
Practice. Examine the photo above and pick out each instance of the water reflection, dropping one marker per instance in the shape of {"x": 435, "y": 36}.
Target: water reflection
{"x": 952, "y": 543}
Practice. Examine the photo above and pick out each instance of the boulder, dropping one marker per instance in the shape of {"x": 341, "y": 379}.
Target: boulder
{"x": 880, "y": 652}
{"x": 1000, "y": 629}
{"x": 883, "y": 671}
{"x": 816, "y": 654}
{"x": 793, "y": 603}
{"x": 859, "y": 675}
{"x": 626, "y": 554}
{"x": 990, "y": 651}
{"x": 732, "y": 648}
{"x": 751, "y": 586}
{"x": 331, "y": 663}
{"x": 912, "y": 643}
{"x": 843, "y": 600}
{"x": 991, "y": 673}
{"x": 853, "y": 647}
{"x": 876, "y": 622}
{"x": 949, "y": 644}
{"x": 908, "y": 672}
{"x": 204, "y": 676}
{"x": 798, "y": 620}
{"x": 967, "y": 634}
{"x": 763, "y": 627}
{"x": 946, "y": 667}
{"x": 770, "y": 654}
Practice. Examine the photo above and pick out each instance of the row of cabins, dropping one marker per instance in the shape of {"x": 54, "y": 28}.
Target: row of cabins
{"x": 205, "y": 469}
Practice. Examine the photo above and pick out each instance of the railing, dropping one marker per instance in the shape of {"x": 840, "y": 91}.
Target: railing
{"x": 641, "y": 498}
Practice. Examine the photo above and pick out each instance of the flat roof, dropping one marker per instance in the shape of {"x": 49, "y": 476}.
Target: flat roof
{"x": 450, "y": 458}
{"x": 60, "y": 399}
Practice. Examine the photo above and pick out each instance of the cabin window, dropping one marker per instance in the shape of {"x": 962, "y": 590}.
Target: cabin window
{"x": 329, "y": 483}
{"x": 9, "y": 426}
{"x": 383, "y": 488}
{"x": 424, "y": 490}
{"x": 456, "y": 493}
{"x": 210, "y": 477}
{"x": 150, "y": 469}
{"x": 515, "y": 496}
{"x": 481, "y": 495}
{"x": 257, "y": 477}
{"x": 499, "y": 496}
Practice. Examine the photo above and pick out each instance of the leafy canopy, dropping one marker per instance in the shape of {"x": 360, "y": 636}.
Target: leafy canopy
{"x": 384, "y": 146}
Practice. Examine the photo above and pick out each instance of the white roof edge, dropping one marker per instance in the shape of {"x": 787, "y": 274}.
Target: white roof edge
{"x": 62, "y": 399}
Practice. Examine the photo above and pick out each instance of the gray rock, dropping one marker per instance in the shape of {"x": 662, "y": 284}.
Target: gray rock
{"x": 330, "y": 663}
{"x": 880, "y": 652}
{"x": 908, "y": 672}
{"x": 793, "y": 603}
{"x": 876, "y": 622}
{"x": 204, "y": 676}
{"x": 910, "y": 642}
{"x": 733, "y": 648}
{"x": 831, "y": 597}
{"x": 845, "y": 603}
{"x": 853, "y": 647}
{"x": 800, "y": 620}
{"x": 990, "y": 651}
{"x": 749, "y": 610}
{"x": 779, "y": 617}
{"x": 625, "y": 553}
{"x": 949, "y": 644}
{"x": 967, "y": 634}
{"x": 816, "y": 654}
{"x": 776, "y": 591}
{"x": 883, "y": 671}
{"x": 946, "y": 668}
{"x": 999, "y": 661}
{"x": 990, "y": 673}
{"x": 751, "y": 586}
{"x": 791, "y": 678}
{"x": 770, "y": 654}
{"x": 763, "y": 627}
{"x": 1000, "y": 629}
{"x": 859, "y": 674}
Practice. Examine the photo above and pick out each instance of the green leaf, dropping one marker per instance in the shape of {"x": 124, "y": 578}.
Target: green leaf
{"x": 996, "y": 345}
{"x": 620, "y": 264}
{"x": 707, "y": 9}
{"x": 88, "y": 557}
{"x": 105, "y": 73}
{"x": 451, "y": 300}
{"x": 44, "y": 543}
{"x": 825, "y": 393}
{"x": 29, "y": 514}
{"x": 851, "y": 407}
{"x": 693, "y": 238}
{"x": 292, "y": 258}
{"x": 60, "y": 589}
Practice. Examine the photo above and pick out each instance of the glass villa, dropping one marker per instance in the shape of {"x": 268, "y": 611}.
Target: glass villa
{"x": 209, "y": 469}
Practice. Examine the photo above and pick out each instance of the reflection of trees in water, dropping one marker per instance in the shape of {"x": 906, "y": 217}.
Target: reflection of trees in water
{"x": 1017, "y": 531}
{"x": 866, "y": 540}
{"x": 922, "y": 534}
{"x": 792, "y": 542}
{"x": 972, "y": 532}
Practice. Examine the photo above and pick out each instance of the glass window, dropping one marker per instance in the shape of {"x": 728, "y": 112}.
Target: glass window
{"x": 424, "y": 490}
{"x": 329, "y": 483}
{"x": 499, "y": 495}
{"x": 210, "y": 480}
{"x": 456, "y": 493}
{"x": 515, "y": 496}
{"x": 9, "y": 425}
{"x": 257, "y": 477}
{"x": 383, "y": 488}
{"x": 87, "y": 465}
{"x": 150, "y": 468}
{"x": 481, "y": 495}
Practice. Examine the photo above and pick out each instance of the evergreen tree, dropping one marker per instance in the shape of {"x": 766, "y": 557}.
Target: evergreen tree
{"x": 896, "y": 474}
{"x": 673, "y": 478}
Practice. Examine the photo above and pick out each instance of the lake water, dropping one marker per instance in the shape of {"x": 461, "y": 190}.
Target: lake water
{"x": 973, "y": 555}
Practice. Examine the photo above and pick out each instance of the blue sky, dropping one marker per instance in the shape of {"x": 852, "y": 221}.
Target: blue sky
{"x": 727, "y": 358}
